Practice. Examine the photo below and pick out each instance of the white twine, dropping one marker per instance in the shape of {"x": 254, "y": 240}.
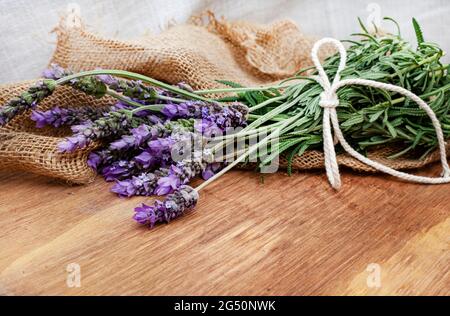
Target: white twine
{"x": 329, "y": 101}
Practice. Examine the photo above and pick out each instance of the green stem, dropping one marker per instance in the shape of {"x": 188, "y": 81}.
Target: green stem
{"x": 421, "y": 63}
{"x": 150, "y": 107}
{"x": 122, "y": 98}
{"x": 178, "y": 100}
{"x": 268, "y": 116}
{"x": 134, "y": 76}
{"x": 248, "y": 133}
{"x": 275, "y": 118}
{"x": 250, "y": 151}
{"x": 267, "y": 102}
{"x": 402, "y": 99}
{"x": 244, "y": 89}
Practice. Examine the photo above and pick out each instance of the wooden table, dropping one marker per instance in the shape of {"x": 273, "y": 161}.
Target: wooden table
{"x": 286, "y": 236}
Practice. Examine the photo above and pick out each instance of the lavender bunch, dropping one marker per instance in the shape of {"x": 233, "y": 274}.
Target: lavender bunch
{"x": 141, "y": 134}
{"x": 175, "y": 205}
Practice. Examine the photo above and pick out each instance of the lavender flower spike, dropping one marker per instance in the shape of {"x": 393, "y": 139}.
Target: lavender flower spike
{"x": 55, "y": 72}
{"x": 27, "y": 100}
{"x": 57, "y": 116}
{"x": 181, "y": 173}
{"x": 175, "y": 205}
{"x": 143, "y": 184}
{"x": 113, "y": 123}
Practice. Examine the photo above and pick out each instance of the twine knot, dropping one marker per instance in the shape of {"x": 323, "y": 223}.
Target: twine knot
{"x": 329, "y": 102}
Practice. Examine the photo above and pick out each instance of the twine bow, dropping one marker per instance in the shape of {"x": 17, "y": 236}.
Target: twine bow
{"x": 329, "y": 102}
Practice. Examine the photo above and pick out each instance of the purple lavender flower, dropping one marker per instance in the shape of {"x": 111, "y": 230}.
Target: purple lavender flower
{"x": 181, "y": 173}
{"x": 143, "y": 184}
{"x": 222, "y": 116}
{"x": 214, "y": 119}
{"x": 176, "y": 204}
{"x": 134, "y": 89}
{"x": 108, "y": 79}
{"x": 101, "y": 158}
{"x": 125, "y": 142}
{"x": 57, "y": 116}
{"x": 113, "y": 123}
{"x": 118, "y": 170}
{"x": 182, "y": 110}
{"x": 124, "y": 188}
{"x": 94, "y": 160}
{"x": 40, "y": 118}
{"x": 91, "y": 85}
{"x": 141, "y": 133}
{"x": 139, "y": 136}
{"x": 168, "y": 184}
{"x": 71, "y": 143}
{"x": 208, "y": 128}
{"x": 146, "y": 159}
{"x": 107, "y": 161}
{"x": 161, "y": 146}
{"x": 211, "y": 170}
{"x": 55, "y": 72}
{"x": 164, "y": 148}
{"x": 188, "y": 109}
{"x": 190, "y": 168}
{"x": 155, "y": 143}
{"x": 119, "y": 105}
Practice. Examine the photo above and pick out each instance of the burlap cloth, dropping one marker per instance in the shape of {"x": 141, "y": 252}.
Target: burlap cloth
{"x": 197, "y": 53}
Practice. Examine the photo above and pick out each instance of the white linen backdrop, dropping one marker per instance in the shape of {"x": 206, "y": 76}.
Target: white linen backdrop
{"x": 26, "y": 43}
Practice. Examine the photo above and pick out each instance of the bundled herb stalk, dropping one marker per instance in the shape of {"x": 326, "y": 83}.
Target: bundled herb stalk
{"x": 369, "y": 117}
{"x": 157, "y": 137}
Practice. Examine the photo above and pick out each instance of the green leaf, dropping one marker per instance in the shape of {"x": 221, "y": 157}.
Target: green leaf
{"x": 353, "y": 121}
{"x": 375, "y": 116}
{"x": 418, "y": 30}
{"x": 386, "y": 18}
{"x": 400, "y": 153}
{"x": 391, "y": 129}
{"x": 363, "y": 27}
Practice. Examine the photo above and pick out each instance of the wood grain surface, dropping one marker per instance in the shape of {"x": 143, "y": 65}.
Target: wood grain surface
{"x": 286, "y": 236}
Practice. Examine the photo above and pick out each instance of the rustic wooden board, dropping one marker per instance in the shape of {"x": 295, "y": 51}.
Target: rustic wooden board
{"x": 286, "y": 236}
